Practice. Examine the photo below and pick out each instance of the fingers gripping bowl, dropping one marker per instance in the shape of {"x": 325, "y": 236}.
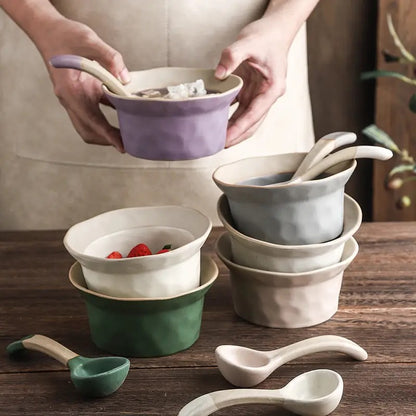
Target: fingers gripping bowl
{"x": 167, "y": 274}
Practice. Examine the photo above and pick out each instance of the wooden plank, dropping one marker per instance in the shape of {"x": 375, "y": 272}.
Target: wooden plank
{"x": 369, "y": 389}
{"x": 377, "y": 309}
{"x": 341, "y": 44}
{"x": 392, "y": 113}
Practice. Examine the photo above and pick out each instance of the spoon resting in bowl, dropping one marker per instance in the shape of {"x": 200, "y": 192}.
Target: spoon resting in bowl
{"x": 349, "y": 153}
{"x": 246, "y": 367}
{"x": 323, "y": 147}
{"x": 315, "y": 393}
{"x": 94, "y": 377}
{"x": 93, "y": 68}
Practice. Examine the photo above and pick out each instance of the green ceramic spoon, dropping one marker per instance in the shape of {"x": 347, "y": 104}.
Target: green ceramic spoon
{"x": 96, "y": 377}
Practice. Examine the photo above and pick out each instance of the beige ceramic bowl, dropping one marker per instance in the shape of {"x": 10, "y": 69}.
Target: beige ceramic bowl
{"x": 258, "y": 254}
{"x": 285, "y": 300}
{"x": 159, "y": 275}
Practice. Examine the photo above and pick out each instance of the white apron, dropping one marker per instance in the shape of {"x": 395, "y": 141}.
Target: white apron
{"x": 49, "y": 178}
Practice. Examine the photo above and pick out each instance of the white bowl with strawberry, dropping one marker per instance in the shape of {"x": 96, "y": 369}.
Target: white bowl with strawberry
{"x": 140, "y": 252}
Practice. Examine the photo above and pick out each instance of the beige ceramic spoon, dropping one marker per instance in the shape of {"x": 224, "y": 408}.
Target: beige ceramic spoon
{"x": 323, "y": 147}
{"x": 315, "y": 393}
{"x": 245, "y": 367}
{"x": 353, "y": 152}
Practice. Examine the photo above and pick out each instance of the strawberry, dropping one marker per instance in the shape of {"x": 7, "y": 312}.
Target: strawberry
{"x": 165, "y": 249}
{"x": 114, "y": 255}
{"x": 139, "y": 250}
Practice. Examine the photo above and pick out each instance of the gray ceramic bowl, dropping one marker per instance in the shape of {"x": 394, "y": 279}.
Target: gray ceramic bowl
{"x": 303, "y": 213}
{"x": 248, "y": 251}
{"x": 160, "y": 129}
{"x": 285, "y": 300}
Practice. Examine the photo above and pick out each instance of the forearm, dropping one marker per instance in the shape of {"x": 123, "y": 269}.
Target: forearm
{"x": 34, "y": 17}
{"x": 287, "y": 16}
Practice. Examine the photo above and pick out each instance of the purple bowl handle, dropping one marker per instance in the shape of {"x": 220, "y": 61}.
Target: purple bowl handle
{"x": 66, "y": 61}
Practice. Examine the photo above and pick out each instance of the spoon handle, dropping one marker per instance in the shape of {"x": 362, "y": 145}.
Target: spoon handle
{"x": 93, "y": 68}
{"x": 42, "y": 344}
{"x": 211, "y": 402}
{"x": 354, "y": 152}
{"x": 317, "y": 344}
{"x": 322, "y": 148}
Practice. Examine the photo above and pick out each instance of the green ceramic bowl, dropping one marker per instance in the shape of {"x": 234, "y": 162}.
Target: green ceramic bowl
{"x": 145, "y": 327}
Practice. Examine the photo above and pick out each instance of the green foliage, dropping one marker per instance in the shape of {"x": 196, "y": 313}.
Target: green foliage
{"x": 381, "y": 137}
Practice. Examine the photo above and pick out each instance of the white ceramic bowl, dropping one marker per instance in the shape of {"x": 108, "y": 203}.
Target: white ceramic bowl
{"x": 159, "y": 275}
{"x": 250, "y": 252}
{"x": 285, "y": 300}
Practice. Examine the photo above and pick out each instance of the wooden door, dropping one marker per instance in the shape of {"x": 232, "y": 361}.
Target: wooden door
{"x": 392, "y": 112}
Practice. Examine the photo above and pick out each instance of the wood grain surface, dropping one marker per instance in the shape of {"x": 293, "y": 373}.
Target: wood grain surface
{"x": 377, "y": 310}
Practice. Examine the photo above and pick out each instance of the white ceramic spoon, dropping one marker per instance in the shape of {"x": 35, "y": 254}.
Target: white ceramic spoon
{"x": 93, "y": 68}
{"x": 323, "y": 147}
{"x": 316, "y": 392}
{"x": 246, "y": 367}
{"x": 353, "y": 152}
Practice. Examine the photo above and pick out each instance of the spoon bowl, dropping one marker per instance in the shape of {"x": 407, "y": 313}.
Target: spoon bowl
{"x": 93, "y": 377}
{"x": 100, "y": 376}
{"x": 246, "y": 367}
{"x": 316, "y": 392}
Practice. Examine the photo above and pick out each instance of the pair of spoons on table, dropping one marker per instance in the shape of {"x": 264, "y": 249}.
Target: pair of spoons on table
{"x": 315, "y": 392}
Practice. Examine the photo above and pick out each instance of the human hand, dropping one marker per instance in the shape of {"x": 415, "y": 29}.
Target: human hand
{"x": 78, "y": 92}
{"x": 260, "y": 59}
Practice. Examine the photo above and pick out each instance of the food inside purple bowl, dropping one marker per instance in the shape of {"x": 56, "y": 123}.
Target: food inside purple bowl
{"x": 180, "y": 91}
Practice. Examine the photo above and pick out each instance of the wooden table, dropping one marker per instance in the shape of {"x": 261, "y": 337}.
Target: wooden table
{"x": 377, "y": 310}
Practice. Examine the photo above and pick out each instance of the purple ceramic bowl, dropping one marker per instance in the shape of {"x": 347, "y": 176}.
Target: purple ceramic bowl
{"x": 178, "y": 129}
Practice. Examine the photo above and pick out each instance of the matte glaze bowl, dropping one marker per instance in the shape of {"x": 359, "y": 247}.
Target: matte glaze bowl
{"x": 303, "y": 213}
{"x": 285, "y": 300}
{"x": 181, "y": 129}
{"x": 247, "y": 251}
{"x": 167, "y": 274}
{"x": 145, "y": 327}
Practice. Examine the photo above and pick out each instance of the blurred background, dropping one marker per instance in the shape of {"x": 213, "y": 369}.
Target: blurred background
{"x": 345, "y": 39}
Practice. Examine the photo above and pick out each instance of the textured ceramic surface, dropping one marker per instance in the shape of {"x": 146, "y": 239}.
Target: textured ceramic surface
{"x": 167, "y": 274}
{"x": 303, "y": 213}
{"x": 145, "y": 327}
{"x": 160, "y": 129}
{"x": 258, "y": 254}
{"x": 285, "y": 300}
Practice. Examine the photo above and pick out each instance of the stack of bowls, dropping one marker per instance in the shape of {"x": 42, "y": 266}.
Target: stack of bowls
{"x": 142, "y": 306}
{"x": 286, "y": 247}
